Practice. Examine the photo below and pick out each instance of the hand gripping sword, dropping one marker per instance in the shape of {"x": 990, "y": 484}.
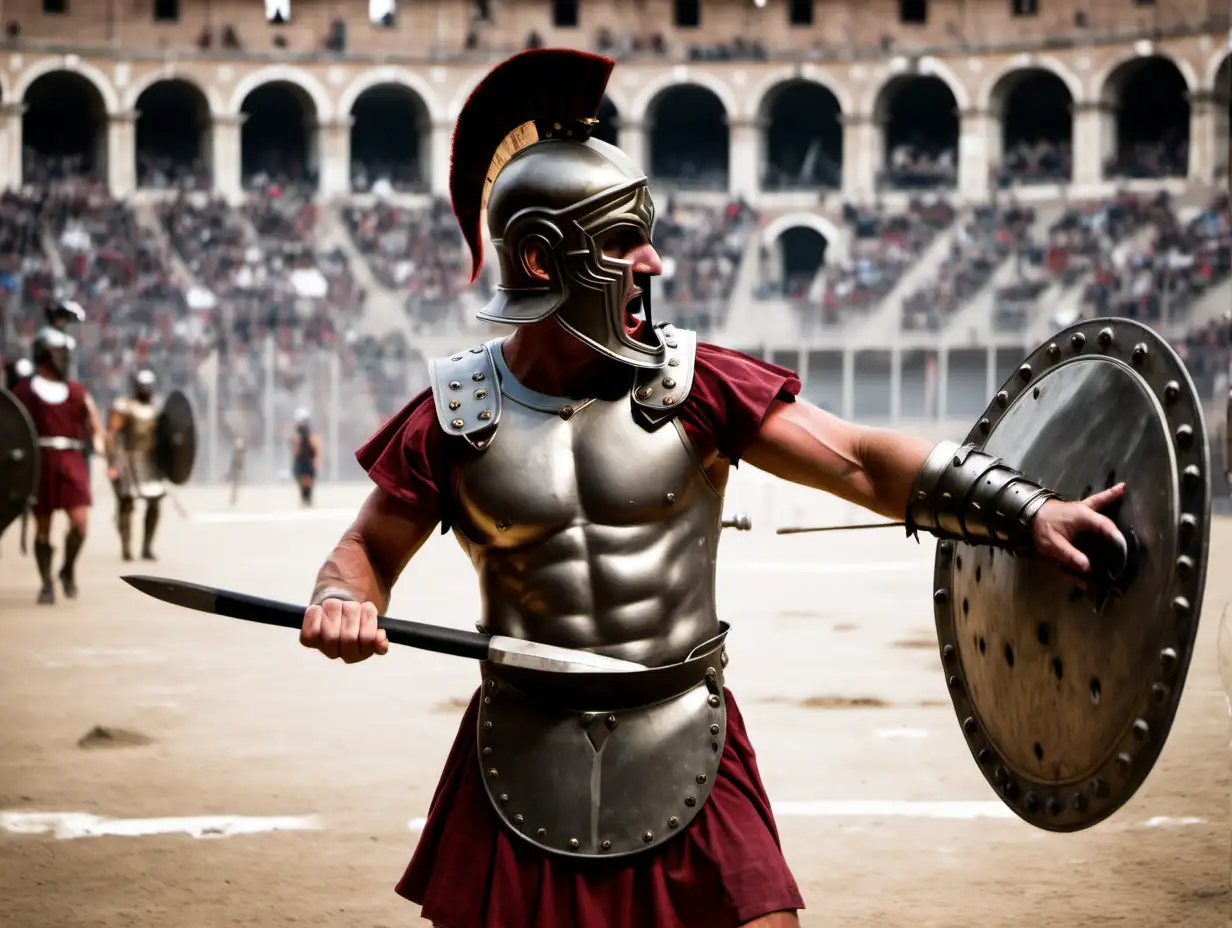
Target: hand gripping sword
{"x": 511, "y": 652}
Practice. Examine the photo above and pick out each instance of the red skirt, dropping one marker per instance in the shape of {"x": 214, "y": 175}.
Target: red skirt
{"x": 726, "y": 869}
{"x": 64, "y": 481}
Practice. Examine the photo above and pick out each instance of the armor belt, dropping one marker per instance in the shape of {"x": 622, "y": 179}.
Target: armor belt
{"x": 60, "y": 443}
{"x": 603, "y": 764}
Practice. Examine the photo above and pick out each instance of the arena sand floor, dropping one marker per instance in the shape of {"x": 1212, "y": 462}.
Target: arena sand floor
{"x": 884, "y": 817}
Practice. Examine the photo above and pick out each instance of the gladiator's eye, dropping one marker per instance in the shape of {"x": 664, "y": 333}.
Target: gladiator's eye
{"x": 619, "y": 242}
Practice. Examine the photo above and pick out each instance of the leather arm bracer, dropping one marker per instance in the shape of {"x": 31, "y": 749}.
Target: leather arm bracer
{"x": 968, "y": 495}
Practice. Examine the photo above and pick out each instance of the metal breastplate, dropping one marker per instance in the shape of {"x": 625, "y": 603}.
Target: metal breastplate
{"x": 139, "y": 427}
{"x": 591, "y": 524}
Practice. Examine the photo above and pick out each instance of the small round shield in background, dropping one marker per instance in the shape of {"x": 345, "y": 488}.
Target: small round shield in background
{"x": 175, "y": 444}
{"x": 1065, "y": 703}
{"x": 19, "y": 459}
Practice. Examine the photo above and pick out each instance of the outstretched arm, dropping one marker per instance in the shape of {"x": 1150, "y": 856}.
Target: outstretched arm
{"x": 95, "y": 425}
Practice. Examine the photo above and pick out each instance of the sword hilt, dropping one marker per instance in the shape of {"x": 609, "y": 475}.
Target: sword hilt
{"x": 740, "y": 522}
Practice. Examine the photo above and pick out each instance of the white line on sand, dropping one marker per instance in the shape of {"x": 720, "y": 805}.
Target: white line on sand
{"x": 784, "y": 567}
{"x": 68, "y": 825}
{"x": 289, "y": 515}
{"x": 880, "y": 808}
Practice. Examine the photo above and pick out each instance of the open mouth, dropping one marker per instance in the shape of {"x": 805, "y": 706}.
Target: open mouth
{"x": 635, "y": 313}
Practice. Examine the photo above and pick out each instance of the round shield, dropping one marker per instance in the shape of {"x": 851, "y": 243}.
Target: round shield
{"x": 19, "y": 459}
{"x": 1065, "y": 697}
{"x": 176, "y": 438}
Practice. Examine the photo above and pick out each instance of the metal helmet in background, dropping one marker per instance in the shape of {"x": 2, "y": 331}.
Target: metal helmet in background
{"x": 144, "y": 382}
{"x": 16, "y": 371}
{"x": 302, "y": 416}
{"x": 523, "y": 153}
{"x": 54, "y": 348}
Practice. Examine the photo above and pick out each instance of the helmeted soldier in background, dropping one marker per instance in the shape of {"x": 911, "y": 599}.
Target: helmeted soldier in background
{"x": 67, "y": 423}
{"x": 305, "y": 455}
{"x": 131, "y": 464}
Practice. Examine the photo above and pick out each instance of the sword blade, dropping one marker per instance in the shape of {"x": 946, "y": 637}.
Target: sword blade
{"x": 513, "y": 652}
{"x": 838, "y": 528}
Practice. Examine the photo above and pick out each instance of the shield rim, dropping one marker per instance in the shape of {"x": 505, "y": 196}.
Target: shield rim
{"x": 1074, "y": 807}
{"x": 35, "y": 454}
{"x": 193, "y": 410}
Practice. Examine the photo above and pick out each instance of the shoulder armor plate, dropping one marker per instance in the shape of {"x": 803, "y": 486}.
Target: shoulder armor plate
{"x": 659, "y": 392}
{"x": 467, "y": 395}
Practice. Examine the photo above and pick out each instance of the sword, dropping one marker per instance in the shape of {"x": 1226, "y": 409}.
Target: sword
{"x": 510, "y": 652}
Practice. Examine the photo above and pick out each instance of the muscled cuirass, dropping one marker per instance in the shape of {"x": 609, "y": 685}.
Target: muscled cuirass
{"x": 139, "y": 426}
{"x": 588, "y": 529}
{"x": 139, "y": 475}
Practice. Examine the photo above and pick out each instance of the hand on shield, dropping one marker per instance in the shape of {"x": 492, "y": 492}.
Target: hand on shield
{"x": 1059, "y": 524}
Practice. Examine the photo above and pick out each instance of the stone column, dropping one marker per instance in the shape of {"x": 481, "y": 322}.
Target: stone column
{"x": 11, "y": 144}
{"x": 226, "y": 156}
{"x": 1204, "y": 135}
{"x": 743, "y": 144}
{"x": 334, "y": 156}
{"x": 863, "y": 156}
{"x": 975, "y": 129}
{"x": 1094, "y": 140}
{"x": 439, "y": 147}
{"x": 122, "y": 153}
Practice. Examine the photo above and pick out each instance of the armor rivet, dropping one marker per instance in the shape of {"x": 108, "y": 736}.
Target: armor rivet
{"x": 476, "y": 351}
{"x": 1188, "y": 524}
{"x": 518, "y": 820}
{"x": 487, "y": 726}
{"x": 714, "y": 729}
{"x": 502, "y": 525}
{"x": 983, "y": 757}
{"x": 566, "y": 412}
{"x": 701, "y": 778}
{"x": 485, "y": 415}
{"x": 714, "y": 701}
{"x": 1192, "y": 476}
{"x": 648, "y": 837}
{"x": 1184, "y": 567}
{"x": 1180, "y": 606}
{"x": 1031, "y": 802}
{"x": 723, "y": 658}
{"x": 606, "y": 845}
{"x": 1003, "y": 399}
{"x": 671, "y": 498}
{"x": 1078, "y": 340}
{"x": 954, "y": 682}
{"x": 491, "y": 684}
{"x": 456, "y": 357}
{"x": 481, "y": 394}
{"x": 1035, "y": 393}
{"x": 1053, "y": 351}
{"x": 1138, "y": 355}
{"x": 690, "y": 801}
{"x": 1054, "y": 804}
{"x": 711, "y": 673}
{"x": 1184, "y": 437}
{"x": 1024, "y": 373}
{"x": 481, "y": 443}
{"x": 611, "y": 721}
{"x": 1167, "y": 661}
{"x": 587, "y": 718}
{"x": 487, "y": 700}
{"x": 477, "y": 376}
{"x": 673, "y": 362}
{"x": 669, "y": 400}
{"x": 1141, "y": 730}
{"x": 1124, "y": 763}
{"x": 455, "y": 385}
{"x": 1079, "y": 802}
{"x": 504, "y": 797}
{"x": 541, "y": 833}
{"x": 946, "y": 548}
{"x": 970, "y": 725}
{"x": 941, "y": 597}
{"x": 644, "y": 393}
{"x": 457, "y": 423}
{"x": 671, "y": 343}
{"x": 454, "y": 404}
{"x": 673, "y": 822}
{"x": 1105, "y": 338}
{"x": 947, "y": 653}
{"x": 487, "y": 752}
{"x": 1159, "y": 694}
{"x": 1011, "y": 789}
{"x": 1100, "y": 788}
{"x": 668, "y": 383}
{"x": 1172, "y": 392}
{"x": 984, "y": 426}
{"x": 492, "y": 773}
{"x": 999, "y": 774}
{"x": 574, "y": 844}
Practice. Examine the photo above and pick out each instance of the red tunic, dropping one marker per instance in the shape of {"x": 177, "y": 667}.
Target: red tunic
{"x": 64, "y": 478}
{"x": 726, "y": 869}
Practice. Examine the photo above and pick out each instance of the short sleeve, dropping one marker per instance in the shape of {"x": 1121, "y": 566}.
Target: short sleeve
{"x": 731, "y": 395}
{"x": 405, "y": 458}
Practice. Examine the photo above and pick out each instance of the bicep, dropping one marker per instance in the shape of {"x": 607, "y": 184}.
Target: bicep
{"x": 806, "y": 445}
{"x": 391, "y": 531}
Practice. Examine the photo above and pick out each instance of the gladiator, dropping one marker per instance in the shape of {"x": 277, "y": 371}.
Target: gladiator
{"x": 305, "y": 456}
{"x": 68, "y": 425}
{"x": 580, "y": 463}
{"x": 131, "y": 465}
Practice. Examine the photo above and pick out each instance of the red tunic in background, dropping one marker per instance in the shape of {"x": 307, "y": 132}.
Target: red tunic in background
{"x": 727, "y": 868}
{"x": 64, "y": 478}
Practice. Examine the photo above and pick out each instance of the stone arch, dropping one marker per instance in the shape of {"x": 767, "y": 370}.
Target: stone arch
{"x": 382, "y": 148}
{"x": 1002, "y": 78}
{"x": 1102, "y": 85}
{"x": 900, "y": 69}
{"x": 283, "y": 74}
{"x": 691, "y": 144}
{"x": 820, "y": 224}
{"x": 1034, "y": 109}
{"x": 391, "y": 75}
{"x": 171, "y": 73}
{"x": 803, "y": 135}
{"x": 75, "y": 65}
{"x": 281, "y": 140}
{"x": 1220, "y": 66}
{"x": 761, "y": 94}
{"x": 1150, "y": 136}
{"x": 918, "y": 115}
{"x": 64, "y": 126}
{"x": 653, "y": 90}
{"x": 172, "y": 131}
